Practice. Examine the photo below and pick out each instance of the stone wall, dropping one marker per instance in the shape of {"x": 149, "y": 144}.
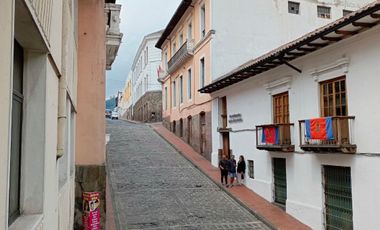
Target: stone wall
{"x": 150, "y": 103}
{"x": 193, "y": 138}
{"x": 89, "y": 178}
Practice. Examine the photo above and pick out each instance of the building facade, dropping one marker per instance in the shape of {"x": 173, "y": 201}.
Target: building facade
{"x": 267, "y": 107}
{"x": 206, "y": 39}
{"x": 146, "y": 98}
{"x": 125, "y": 105}
{"x": 38, "y": 96}
{"x": 99, "y": 38}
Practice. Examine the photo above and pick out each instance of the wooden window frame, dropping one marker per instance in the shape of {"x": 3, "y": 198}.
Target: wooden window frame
{"x": 284, "y": 114}
{"x": 322, "y": 95}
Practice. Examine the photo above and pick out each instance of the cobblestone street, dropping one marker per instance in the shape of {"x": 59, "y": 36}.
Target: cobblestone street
{"x": 154, "y": 187}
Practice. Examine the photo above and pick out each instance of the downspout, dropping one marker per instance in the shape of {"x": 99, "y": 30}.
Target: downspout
{"x": 62, "y": 116}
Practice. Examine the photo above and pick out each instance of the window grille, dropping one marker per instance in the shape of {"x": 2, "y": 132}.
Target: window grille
{"x": 338, "y": 197}
{"x": 251, "y": 169}
{"x": 324, "y": 12}
{"x": 294, "y": 7}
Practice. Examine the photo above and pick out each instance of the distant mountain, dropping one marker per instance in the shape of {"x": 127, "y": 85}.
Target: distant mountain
{"x": 111, "y": 103}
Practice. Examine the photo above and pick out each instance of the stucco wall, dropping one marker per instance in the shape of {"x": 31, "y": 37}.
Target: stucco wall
{"x": 251, "y": 28}
{"x": 90, "y": 142}
{"x": 254, "y": 102}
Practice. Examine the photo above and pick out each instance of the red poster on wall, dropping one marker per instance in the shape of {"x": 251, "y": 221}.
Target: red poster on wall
{"x": 91, "y": 212}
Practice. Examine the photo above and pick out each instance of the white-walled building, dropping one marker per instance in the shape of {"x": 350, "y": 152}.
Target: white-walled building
{"x": 330, "y": 72}
{"x": 146, "y": 95}
{"x": 251, "y": 28}
{"x": 38, "y": 94}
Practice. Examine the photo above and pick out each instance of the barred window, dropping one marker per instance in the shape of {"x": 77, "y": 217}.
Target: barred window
{"x": 324, "y": 12}
{"x": 251, "y": 169}
{"x": 294, "y": 7}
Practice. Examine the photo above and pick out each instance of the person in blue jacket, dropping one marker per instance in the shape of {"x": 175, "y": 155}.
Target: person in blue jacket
{"x": 232, "y": 170}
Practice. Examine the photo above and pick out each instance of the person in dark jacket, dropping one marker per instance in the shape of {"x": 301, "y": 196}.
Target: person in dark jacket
{"x": 232, "y": 170}
{"x": 223, "y": 170}
{"x": 241, "y": 170}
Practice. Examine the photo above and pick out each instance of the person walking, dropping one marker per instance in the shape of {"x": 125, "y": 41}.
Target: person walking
{"x": 223, "y": 170}
{"x": 240, "y": 170}
{"x": 232, "y": 170}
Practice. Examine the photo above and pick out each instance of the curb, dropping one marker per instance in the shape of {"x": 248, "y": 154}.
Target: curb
{"x": 257, "y": 215}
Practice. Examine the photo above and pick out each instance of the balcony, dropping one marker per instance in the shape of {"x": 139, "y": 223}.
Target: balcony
{"x": 113, "y": 34}
{"x": 275, "y": 137}
{"x": 340, "y": 140}
{"x": 184, "y": 52}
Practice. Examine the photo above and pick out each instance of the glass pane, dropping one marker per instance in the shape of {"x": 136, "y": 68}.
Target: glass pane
{"x": 343, "y": 85}
{"x": 337, "y": 90}
{"x": 330, "y": 88}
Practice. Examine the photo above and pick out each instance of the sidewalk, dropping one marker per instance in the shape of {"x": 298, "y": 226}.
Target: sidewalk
{"x": 258, "y": 205}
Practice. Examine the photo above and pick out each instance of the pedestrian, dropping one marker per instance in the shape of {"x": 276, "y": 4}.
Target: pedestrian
{"x": 223, "y": 170}
{"x": 241, "y": 170}
{"x": 232, "y": 170}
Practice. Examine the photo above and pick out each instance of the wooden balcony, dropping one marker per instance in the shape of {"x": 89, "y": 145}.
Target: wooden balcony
{"x": 184, "y": 52}
{"x": 341, "y": 141}
{"x": 281, "y": 143}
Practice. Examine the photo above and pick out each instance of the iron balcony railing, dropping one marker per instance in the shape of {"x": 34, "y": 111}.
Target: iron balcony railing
{"x": 184, "y": 52}
{"x": 275, "y": 137}
{"x": 342, "y": 139}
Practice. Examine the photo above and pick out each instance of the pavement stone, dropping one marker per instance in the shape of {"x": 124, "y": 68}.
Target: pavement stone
{"x": 155, "y": 187}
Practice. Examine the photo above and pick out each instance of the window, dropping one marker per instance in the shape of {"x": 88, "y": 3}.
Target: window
{"x": 202, "y": 73}
{"x": 166, "y": 60}
{"x": 180, "y": 40}
{"x": 146, "y": 56}
{"x": 189, "y": 80}
{"x": 345, "y": 12}
{"x": 174, "y": 94}
{"x": 294, "y": 7}
{"x": 16, "y": 137}
{"x": 203, "y": 21}
{"x": 281, "y": 108}
{"x": 189, "y": 31}
{"x": 251, "y": 169}
{"x": 174, "y": 48}
{"x": 166, "y": 98}
{"x": 180, "y": 89}
{"x": 338, "y": 197}
{"x": 333, "y": 97}
{"x": 324, "y": 12}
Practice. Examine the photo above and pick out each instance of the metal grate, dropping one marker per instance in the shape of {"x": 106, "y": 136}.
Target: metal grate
{"x": 338, "y": 198}
{"x": 324, "y": 12}
{"x": 279, "y": 171}
{"x": 251, "y": 169}
{"x": 294, "y": 7}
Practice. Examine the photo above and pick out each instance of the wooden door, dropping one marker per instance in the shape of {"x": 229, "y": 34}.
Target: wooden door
{"x": 202, "y": 132}
{"x": 281, "y": 116}
{"x": 189, "y": 129}
{"x": 334, "y": 103}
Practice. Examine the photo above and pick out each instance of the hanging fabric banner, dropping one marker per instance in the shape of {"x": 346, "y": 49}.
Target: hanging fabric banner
{"x": 319, "y": 129}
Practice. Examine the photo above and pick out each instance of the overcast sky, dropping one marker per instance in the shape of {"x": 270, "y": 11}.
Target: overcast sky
{"x": 138, "y": 18}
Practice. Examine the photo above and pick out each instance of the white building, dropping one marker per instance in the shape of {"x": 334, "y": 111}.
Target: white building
{"x": 251, "y": 28}
{"x": 146, "y": 94}
{"x": 334, "y": 71}
{"x": 38, "y": 81}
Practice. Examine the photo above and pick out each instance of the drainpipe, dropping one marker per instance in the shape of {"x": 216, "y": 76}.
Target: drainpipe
{"x": 62, "y": 117}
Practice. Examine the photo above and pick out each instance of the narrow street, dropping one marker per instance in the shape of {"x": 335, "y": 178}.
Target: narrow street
{"x": 155, "y": 187}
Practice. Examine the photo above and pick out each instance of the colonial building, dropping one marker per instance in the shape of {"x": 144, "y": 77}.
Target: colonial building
{"x": 268, "y": 107}
{"x": 207, "y": 38}
{"x": 147, "y": 101}
{"x": 38, "y": 99}
{"x": 99, "y": 38}
{"x": 125, "y": 105}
